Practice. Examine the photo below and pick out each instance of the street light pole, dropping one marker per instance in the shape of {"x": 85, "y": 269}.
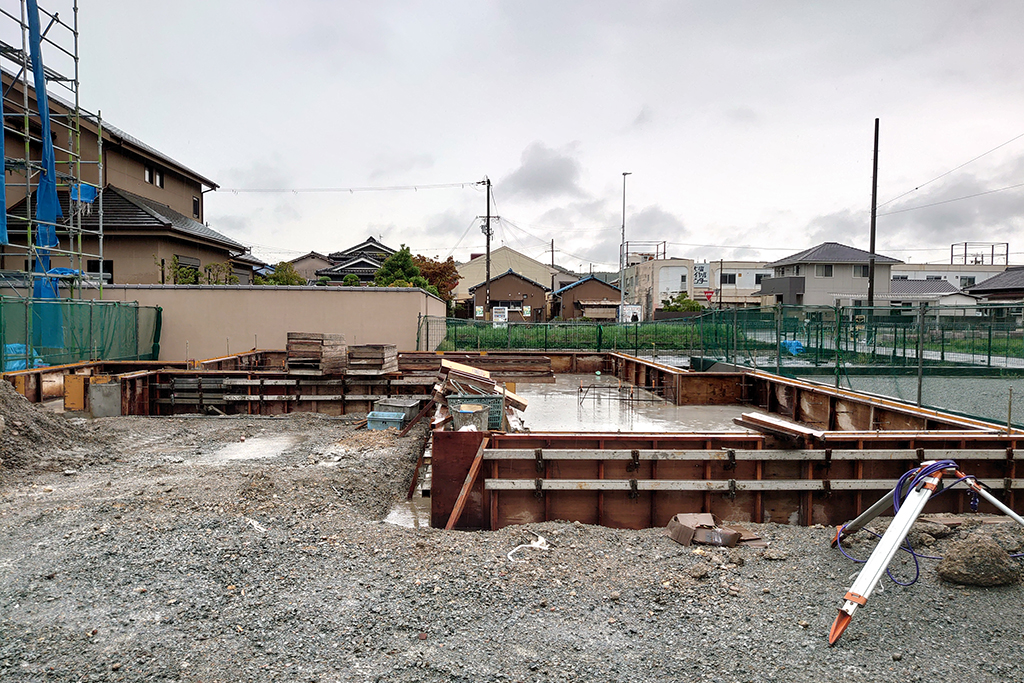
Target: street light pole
{"x": 622, "y": 254}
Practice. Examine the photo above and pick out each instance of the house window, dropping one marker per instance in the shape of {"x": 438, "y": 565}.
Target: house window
{"x": 861, "y": 271}
{"x": 968, "y": 280}
{"x": 796, "y": 270}
{"x": 823, "y": 270}
{"x": 934, "y": 277}
{"x": 727, "y": 279}
{"x": 159, "y": 178}
{"x": 682, "y": 281}
{"x": 92, "y": 267}
{"x": 149, "y": 175}
{"x": 758, "y": 277}
{"x": 195, "y": 207}
{"x": 900, "y": 277}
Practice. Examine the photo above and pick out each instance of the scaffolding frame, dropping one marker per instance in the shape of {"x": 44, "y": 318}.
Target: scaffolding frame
{"x": 59, "y": 40}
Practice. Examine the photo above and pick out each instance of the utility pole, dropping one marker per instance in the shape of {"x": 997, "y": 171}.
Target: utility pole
{"x": 622, "y": 253}
{"x": 488, "y": 232}
{"x": 552, "y": 253}
{"x": 874, "y": 206}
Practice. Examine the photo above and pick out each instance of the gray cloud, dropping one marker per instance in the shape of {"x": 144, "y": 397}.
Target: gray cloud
{"x": 391, "y": 164}
{"x": 544, "y": 173}
{"x": 654, "y": 223}
{"x": 644, "y": 117}
{"x": 982, "y": 215}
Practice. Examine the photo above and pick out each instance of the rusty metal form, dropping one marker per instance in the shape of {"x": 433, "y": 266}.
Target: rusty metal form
{"x": 809, "y": 461}
{"x": 641, "y": 480}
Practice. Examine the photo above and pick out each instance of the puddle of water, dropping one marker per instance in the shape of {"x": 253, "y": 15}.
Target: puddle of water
{"x": 413, "y": 513}
{"x": 606, "y": 405}
{"x": 255, "y": 448}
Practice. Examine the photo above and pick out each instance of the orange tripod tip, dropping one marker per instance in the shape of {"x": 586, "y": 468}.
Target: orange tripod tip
{"x": 838, "y": 626}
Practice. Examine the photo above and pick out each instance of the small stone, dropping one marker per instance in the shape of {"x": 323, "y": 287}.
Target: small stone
{"x": 700, "y": 571}
{"x": 897, "y": 656}
{"x": 422, "y": 636}
{"x": 775, "y": 554}
{"x": 47, "y": 489}
{"x": 115, "y": 666}
{"x": 615, "y": 595}
{"x": 68, "y": 473}
{"x": 803, "y": 624}
{"x": 766, "y": 590}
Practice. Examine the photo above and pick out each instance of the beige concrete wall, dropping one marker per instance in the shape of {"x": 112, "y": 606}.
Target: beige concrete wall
{"x": 214, "y": 321}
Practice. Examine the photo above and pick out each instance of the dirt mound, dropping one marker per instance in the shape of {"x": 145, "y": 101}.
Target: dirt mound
{"x": 35, "y": 438}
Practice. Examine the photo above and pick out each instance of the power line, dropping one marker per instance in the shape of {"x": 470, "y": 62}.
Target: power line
{"x": 350, "y": 190}
{"x": 938, "y": 177}
{"x": 955, "y": 199}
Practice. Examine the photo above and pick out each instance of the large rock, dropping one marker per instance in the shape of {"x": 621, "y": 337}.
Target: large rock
{"x": 978, "y": 561}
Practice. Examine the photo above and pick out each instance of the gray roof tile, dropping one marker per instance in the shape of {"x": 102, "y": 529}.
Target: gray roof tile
{"x": 922, "y": 287}
{"x": 832, "y": 252}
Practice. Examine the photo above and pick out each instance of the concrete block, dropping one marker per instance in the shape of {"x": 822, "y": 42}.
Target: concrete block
{"x": 105, "y": 399}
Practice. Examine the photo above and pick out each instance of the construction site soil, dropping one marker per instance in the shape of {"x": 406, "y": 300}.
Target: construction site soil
{"x": 248, "y": 549}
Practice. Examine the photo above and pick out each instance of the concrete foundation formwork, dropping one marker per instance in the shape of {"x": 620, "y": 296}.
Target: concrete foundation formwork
{"x": 807, "y": 453}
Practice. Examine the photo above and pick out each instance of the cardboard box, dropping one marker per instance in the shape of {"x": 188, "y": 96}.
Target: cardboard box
{"x": 723, "y": 536}
{"x": 704, "y": 528}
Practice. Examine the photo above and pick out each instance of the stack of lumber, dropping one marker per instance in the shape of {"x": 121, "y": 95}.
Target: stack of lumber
{"x": 316, "y": 352}
{"x": 456, "y": 379}
{"x": 503, "y": 367}
{"x": 372, "y": 359}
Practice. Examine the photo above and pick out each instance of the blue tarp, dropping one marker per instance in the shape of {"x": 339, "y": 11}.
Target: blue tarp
{"x": 48, "y": 329}
{"x": 794, "y": 347}
{"x": 15, "y": 358}
{"x": 3, "y": 189}
{"x": 81, "y": 192}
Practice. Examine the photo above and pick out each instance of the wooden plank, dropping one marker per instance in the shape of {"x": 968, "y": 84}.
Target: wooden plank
{"x": 474, "y": 469}
{"x": 419, "y": 416}
{"x": 464, "y": 369}
{"x": 745, "y": 454}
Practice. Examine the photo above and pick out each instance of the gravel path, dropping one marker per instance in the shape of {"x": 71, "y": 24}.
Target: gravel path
{"x": 180, "y": 555}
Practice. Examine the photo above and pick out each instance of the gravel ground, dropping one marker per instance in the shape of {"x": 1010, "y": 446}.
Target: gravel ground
{"x": 172, "y": 552}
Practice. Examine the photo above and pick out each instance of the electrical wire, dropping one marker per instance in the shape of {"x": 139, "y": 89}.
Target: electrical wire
{"x": 939, "y": 177}
{"x": 350, "y": 190}
{"x": 955, "y": 199}
{"x": 466, "y": 232}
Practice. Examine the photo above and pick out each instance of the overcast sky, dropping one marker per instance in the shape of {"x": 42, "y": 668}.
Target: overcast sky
{"x": 747, "y": 126}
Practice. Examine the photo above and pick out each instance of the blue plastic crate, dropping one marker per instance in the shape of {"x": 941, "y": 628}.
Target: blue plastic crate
{"x": 380, "y": 420}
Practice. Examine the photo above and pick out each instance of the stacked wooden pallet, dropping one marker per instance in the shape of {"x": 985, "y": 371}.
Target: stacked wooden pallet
{"x": 372, "y": 359}
{"x": 316, "y": 352}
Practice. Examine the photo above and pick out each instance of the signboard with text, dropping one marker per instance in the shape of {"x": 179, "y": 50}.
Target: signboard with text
{"x": 701, "y": 275}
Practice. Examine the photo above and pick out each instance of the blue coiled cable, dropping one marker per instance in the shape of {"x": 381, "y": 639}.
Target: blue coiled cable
{"x": 897, "y": 500}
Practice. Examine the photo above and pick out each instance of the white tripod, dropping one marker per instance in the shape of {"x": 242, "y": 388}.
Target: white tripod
{"x": 925, "y": 482}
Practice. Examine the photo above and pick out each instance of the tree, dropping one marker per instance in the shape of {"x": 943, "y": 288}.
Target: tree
{"x": 220, "y": 274}
{"x": 284, "y": 274}
{"x": 680, "y": 302}
{"x": 398, "y": 267}
{"x": 444, "y": 275}
{"x": 401, "y": 271}
{"x": 350, "y": 280}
